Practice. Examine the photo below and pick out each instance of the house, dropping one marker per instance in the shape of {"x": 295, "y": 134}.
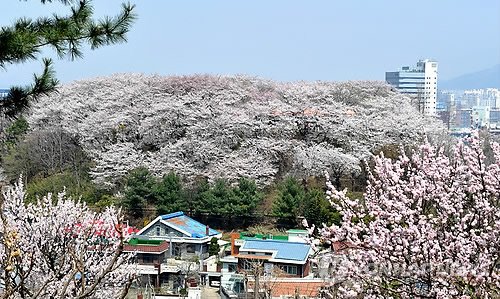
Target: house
{"x": 284, "y": 258}
{"x": 278, "y": 255}
{"x": 153, "y": 265}
{"x": 280, "y": 265}
{"x": 211, "y": 267}
{"x": 187, "y": 237}
{"x": 168, "y": 251}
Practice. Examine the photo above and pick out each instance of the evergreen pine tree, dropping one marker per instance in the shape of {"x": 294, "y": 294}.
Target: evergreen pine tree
{"x": 289, "y": 201}
{"x": 317, "y": 210}
{"x": 170, "y": 194}
{"x": 139, "y": 186}
{"x": 66, "y": 35}
{"x": 247, "y": 196}
{"x": 219, "y": 199}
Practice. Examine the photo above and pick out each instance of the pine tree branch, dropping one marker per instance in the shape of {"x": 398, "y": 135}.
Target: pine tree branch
{"x": 24, "y": 40}
{"x": 18, "y": 98}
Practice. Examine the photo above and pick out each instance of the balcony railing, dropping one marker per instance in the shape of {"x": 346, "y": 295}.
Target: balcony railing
{"x": 170, "y": 266}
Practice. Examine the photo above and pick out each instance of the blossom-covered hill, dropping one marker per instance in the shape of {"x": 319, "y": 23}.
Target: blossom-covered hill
{"x": 229, "y": 127}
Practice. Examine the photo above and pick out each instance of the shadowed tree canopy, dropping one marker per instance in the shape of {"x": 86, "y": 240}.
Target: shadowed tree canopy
{"x": 24, "y": 41}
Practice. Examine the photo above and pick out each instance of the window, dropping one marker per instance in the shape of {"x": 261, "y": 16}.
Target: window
{"x": 231, "y": 268}
{"x": 158, "y": 232}
{"x": 289, "y": 269}
{"x": 190, "y": 248}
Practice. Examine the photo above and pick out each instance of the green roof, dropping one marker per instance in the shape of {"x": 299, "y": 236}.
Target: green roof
{"x": 135, "y": 241}
{"x": 250, "y": 236}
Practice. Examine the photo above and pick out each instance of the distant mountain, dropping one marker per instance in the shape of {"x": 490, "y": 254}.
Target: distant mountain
{"x": 488, "y": 78}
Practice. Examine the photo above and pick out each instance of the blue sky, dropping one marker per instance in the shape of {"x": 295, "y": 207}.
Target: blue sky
{"x": 284, "y": 40}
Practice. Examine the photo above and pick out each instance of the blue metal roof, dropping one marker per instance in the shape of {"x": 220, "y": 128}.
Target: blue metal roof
{"x": 285, "y": 250}
{"x": 188, "y": 224}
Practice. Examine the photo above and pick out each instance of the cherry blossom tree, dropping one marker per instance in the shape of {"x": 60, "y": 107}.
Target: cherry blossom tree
{"x": 228, "y": 126}
{"x": 59, "y": 248}
{"x": 428, "y": 226}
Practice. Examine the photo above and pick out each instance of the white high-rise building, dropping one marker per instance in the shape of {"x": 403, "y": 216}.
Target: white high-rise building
{"x": 419, "y": 82}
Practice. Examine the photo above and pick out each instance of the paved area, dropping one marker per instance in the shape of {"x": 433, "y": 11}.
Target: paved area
{"x": 210, "y": 293}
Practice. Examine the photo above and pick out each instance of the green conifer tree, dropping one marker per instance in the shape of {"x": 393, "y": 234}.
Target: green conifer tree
{"x": 139, "y": 186}
{"x": 170, "y": 194}
{"x": 317, "y": 210}
{"x": 289, "y": 201}
{"x": 66, "y": 35}
{"x": 247, "y": 197}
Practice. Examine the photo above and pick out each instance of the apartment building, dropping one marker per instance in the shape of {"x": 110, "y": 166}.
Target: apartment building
{"x": 419, "y": 83}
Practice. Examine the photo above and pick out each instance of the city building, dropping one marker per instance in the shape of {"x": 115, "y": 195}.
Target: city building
{"x": 462, "y": 119}
{"x": 495, "y": 118}
{"x": 3, "y": 93}
{"x": 488, "y": 97}
{"x": 445, "y": 100}
{"x": 419, "y": 83}
{"x": 471, "y": 98}
{"x": 465, "y": 110}
{"x": 481, "y": 116}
